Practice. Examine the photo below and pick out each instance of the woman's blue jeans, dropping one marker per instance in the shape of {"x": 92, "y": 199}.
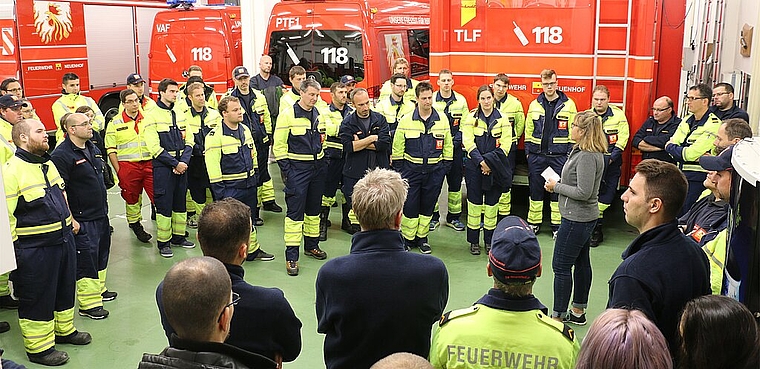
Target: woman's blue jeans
{"x": 571, "y": 249}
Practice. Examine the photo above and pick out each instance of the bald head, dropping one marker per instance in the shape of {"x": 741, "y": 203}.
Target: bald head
{"x": 402, "y": 360}
{"x": 662, "y": 109}
{"x": 265, "y": 64}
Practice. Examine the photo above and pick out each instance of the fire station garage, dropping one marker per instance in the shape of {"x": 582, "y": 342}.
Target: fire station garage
{"x": 641, "y": 51}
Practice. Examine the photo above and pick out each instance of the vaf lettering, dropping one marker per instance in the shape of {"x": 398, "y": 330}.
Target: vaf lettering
{"x": 464, "y": 35}
{"x": 162, "y": 28}
{"x": 287, "y": 22}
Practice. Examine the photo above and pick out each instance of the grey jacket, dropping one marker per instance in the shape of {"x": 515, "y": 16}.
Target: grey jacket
{"x": 578, "y": 188}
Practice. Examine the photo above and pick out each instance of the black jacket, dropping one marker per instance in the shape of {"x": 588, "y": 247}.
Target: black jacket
{"x": 378, "y": 300}
{"x": 184, "y": 354}
{"x": 661, "y": 271}
{"x": 656, "y": 134}
{"x": 357, "y": 163}
{"x": 82, "y": 171}
{"x": 262, "y": 310}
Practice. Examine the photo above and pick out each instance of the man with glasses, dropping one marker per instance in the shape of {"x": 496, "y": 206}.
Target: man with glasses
{"x": 694, "y": 137}
{"x": 129, "y": 156}
{"x": 655, "y": 132}
{"x": 510, "y": 107}
{"x": 200, "y": 305}
{"x": 12, "y": 86}
{"x": 547, "y": 144}
{"x": 264, "y": 322}
{"x": 136, "y": 83}
{"x": 81, "y": 166}
{"x": 396, "y": 105}
{"x": 723, "y": 103}
{"x": 400, "y": 66}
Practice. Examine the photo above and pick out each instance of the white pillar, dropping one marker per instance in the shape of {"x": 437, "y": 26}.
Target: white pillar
{"x": 254, "y": 28}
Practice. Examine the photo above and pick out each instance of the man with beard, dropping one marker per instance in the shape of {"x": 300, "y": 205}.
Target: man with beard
{"x": 43, "y": 231}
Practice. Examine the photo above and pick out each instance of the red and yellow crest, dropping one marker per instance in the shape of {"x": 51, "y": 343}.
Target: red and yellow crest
{"x": 52, "y": 20}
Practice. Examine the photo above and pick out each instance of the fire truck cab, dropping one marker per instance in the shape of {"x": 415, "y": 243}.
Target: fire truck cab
{"x": 206, "y": 36}
{"x": 615, "y": 43}
{"x": 361, "y": 38}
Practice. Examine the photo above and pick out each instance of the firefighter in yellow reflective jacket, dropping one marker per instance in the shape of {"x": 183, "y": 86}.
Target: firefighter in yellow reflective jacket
{"x": 298, "y": 140}
{"x": 259, "y": 121}
{"x": 422, "y": 152}
{"x": 129, "y": 156}
{"x": 508, "y": 327}
{"x": 42, "y": 230}
{"x": 171, "y": 154}
{"x": 487, "y": 171}
{"x": 10, "y": 114}
{"x": 400, "y": 66}
{"x": 452, "y": 104}
{"x": 511, "y": 108}
{"x": 70, "y": 100}
{"x": 615, "y": 126}
{"x": 334, "y": 115}
{"x": 547, "y": 144}
{"x": 230, "y": 159}
{"x": 397, "y": 104}
{"x": 695, "y": 137}
{"x": 200, "y": 120}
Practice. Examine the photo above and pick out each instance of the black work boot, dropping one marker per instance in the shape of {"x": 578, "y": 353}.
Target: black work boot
{"x": 152, "y": 212}
{"x": 139, "y": 231}
{"x": 323, "y": 223}
{"x": 346, "y": 223}
{"x": 597, "y": 236}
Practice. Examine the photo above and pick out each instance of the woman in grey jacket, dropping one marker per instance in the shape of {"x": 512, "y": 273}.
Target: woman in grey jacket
{"x": 578, "y": 191}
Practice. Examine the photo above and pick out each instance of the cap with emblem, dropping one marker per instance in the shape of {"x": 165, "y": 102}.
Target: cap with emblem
{"x": 9, "y": 101}
{"x": 240, "y": 72}
{"x": 347, "y": 80}
{"x": 515, "y": 253}
{"x": 719, "y": 162}
{"x": 134, "y": 79}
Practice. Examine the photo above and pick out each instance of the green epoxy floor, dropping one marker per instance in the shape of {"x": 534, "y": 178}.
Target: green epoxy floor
{"x": 135, "y": 270}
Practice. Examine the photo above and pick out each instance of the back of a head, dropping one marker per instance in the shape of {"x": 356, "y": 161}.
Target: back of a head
{"x": 737, "y": 129}
{"x": 624, "y": 339}
{"x": 195, "y": 291}
{"x": 223, "y": 227}
{"x": 718, "y": 332}
{"x": 378, "y": 198}
{"x": 402, "y": 360}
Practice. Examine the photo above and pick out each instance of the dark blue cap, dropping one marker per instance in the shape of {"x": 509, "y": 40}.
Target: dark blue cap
{"x": 515, "y": 253}
{"x": 719, "y": 162}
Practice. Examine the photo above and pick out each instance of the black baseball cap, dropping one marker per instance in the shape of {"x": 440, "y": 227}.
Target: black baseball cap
{"x": 240, "y": 72}
{"x": 515, "y": 253}
{"x": 719, "y": 162}
{"x": 134, "y": 79}
{"x": 9, "y": 101}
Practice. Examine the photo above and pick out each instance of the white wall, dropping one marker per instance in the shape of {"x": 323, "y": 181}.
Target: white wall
{"x": 255, "y": 17}
{"x": 737, "y": 14}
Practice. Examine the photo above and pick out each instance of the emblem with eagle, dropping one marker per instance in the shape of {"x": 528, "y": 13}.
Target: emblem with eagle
{"x": 52, "y": 20}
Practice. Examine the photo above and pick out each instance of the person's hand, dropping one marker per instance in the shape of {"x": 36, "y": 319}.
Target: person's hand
{"x": 549, "y": 185}
{"x": 484, "y": 168}
{"x": 180, "y": 168}
{"x": 75, "y": 226}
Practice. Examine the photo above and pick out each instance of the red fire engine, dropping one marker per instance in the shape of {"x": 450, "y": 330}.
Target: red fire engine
{"x": 616, "y": 43}
{"x": 101, "y": 41}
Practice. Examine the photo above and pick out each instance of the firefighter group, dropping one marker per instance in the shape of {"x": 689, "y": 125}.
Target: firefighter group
{"x": 188, "y": 148}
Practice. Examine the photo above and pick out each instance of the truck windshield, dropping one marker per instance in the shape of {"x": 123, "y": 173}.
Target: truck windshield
{"x": 326, "y": 55}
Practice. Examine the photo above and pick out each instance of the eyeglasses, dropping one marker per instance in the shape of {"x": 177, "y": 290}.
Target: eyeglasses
{"x": 659, "y": 110}
{"x": 131, "y": 101}
{"x": 19, "y": 89}
{"x": 694, "y": 98}
{"x": 83, "y": 124}
{"x": 235, "y": 300}
{"x": 547, "y": 84}
{"x": 720, "y": 94}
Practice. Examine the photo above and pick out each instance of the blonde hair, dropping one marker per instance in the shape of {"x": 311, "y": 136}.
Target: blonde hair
{"x": 378, "y": 198}
{"x": 592, "y": 138}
